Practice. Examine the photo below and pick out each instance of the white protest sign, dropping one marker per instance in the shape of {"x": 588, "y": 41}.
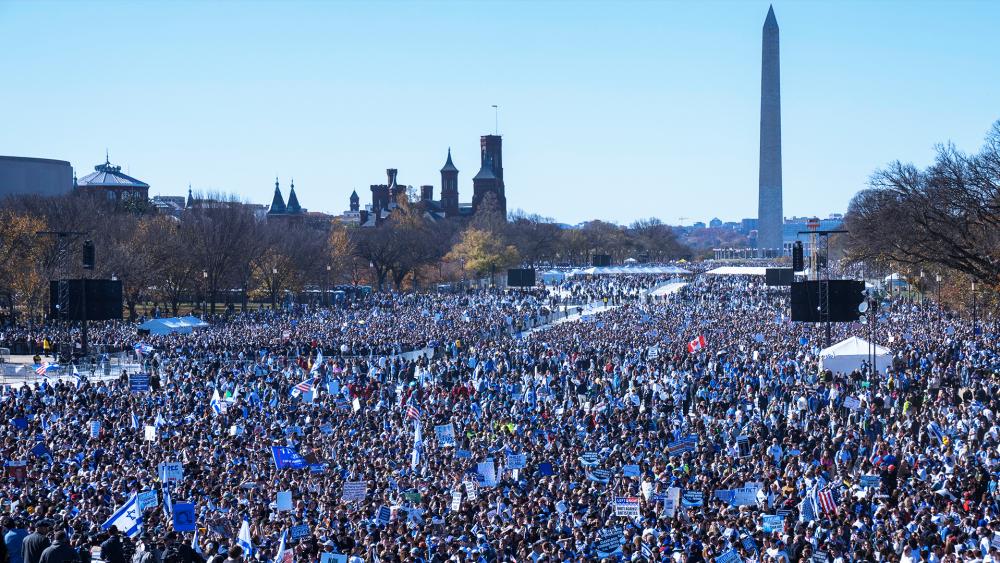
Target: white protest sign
{"x": 355, "y": 490}
{"x": 472, "y": 490}
{"x": 150, "y": 433}
{"x": 745, "y": 496}
{"x": 171, "y": 471}
{"x": 95, "y": 428}
{"x": 627, "y": 507}
{"x": 456, "y": 501}
{"x": 852, "y": 403}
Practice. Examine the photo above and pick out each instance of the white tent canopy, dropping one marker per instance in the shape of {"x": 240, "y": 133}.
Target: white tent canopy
{"x": 179, "y": 325}
{"x": 553, "y": 277}
{"x": 848, "y": 355}
{"x": 741, "y": 271}
{"x": 631, "y": 269}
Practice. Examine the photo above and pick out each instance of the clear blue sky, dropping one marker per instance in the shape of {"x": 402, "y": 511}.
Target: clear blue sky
{"x": 608, "y": 110}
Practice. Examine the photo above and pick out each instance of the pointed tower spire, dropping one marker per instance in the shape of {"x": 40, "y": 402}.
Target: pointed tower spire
{"x": 278, "y": 203}
{"x": 190, "y": 199}
{"x": 449, "y": 166}
{"x": 293, "y": 201}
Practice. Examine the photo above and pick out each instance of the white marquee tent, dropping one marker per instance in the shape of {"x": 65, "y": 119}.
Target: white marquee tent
{"x": 179, "y": 325}
{"x": 848, "y": 355}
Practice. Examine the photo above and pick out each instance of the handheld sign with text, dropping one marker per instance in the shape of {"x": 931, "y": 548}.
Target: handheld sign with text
{"x": 609, "y": 542}
{"x": 627, "y": 507}
{"x": 773, "y": 522}
{"x": 354, "y": 491}
{"x": 171, "y": 471}
{"x": 138, "y": 382}
{"x": 300, "y": 531}
{"x": 147, "y": 499}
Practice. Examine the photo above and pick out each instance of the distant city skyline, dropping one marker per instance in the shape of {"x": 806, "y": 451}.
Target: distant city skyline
{"x": 615, "y": 111}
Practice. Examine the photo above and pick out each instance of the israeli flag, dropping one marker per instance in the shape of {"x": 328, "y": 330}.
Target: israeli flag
{"x": 168, "y": 502}
{"x": 243, "y": 540}
{"x": 280, "y": 556}
{"x": 216, "y": 402}
{"x": 128, "y": 518}
{"x": 135, "y": 422}
{"x": 319, "y": 362}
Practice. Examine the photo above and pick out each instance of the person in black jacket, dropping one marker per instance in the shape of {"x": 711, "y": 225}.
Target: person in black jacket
{"x": 36, "y": 542}
{"x": 60, "y": 551}
{"x": 111, "y": 549}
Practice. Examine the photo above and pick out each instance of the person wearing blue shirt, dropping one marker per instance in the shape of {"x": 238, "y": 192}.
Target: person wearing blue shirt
{"x": 13, "y": 538}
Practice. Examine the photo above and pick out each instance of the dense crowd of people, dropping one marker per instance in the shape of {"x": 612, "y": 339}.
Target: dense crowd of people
{"x": 698, "y": 426}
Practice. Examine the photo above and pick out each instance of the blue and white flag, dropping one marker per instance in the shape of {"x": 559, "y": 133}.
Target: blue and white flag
{"x": 315, "y": 367}
{"x": 216, "y": 403}
{"x": 194, "y": 543}
{"x": 128, "y": 518}
{"x": 168, "y": 502}
{"x": 135, "y": 422}
{"x": 243, "y": 540}
{"x": 280, "y": 556}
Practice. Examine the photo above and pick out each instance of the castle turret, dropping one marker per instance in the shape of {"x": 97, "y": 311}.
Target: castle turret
{"x": 293, "y": 201}
{"x": 355, "y": 201}
{"x": 449, "y": 187}
{"x": 278, "y": 202}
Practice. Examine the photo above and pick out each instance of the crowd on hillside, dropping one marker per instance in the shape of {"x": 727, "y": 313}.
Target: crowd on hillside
{"x": 696, "y": 427}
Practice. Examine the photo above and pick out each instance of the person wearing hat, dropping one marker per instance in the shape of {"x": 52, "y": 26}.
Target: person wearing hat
{"x": 36, "y": 542}
{"x": 60, "y": 551}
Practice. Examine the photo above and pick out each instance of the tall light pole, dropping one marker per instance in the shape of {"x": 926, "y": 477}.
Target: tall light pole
{"x": 975, "y": 316}
{"x": 937, "y": 278}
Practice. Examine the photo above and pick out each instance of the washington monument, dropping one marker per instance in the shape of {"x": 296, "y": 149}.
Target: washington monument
{"x": 769, "y": 213}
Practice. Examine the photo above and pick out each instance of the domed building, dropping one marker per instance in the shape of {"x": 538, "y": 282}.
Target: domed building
{"x": 109, "y": 182}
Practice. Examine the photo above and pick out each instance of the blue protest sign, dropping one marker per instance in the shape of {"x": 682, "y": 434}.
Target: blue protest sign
{"x": 545, "y": 469}
{"x": 300, "y": 531}
{"x": 138, "y": 382}
{"x": 384, "y": 515}
{"x": 20, "y": 423}
{"x": 184, "y": 518}
{"x": 463, "y": 454}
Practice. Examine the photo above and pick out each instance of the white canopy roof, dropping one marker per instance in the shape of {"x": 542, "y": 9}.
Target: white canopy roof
{"x": 630, "y": 269}
{"x": 853, "y": 346}
{"x": 181, "y": 325}
{"x": 741, "y": 271}
{"x": 849, "y": 355}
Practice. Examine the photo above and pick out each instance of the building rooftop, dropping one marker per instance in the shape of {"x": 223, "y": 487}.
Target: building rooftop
{"x": 108, "y": 175}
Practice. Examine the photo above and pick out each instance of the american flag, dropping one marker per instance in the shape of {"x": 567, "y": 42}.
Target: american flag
{"x": 40, "y": 370}
{"x": 305, "y": 386}
{"x": 412, "y": 411}
{"x": 696, "y": 344}
{"x": 826, "y": 501}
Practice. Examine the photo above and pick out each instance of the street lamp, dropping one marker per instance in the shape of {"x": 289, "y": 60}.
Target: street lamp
{"x": 937, "y": 278}
{"x": 326, "y": 291}
{"x": 975, "y": 316}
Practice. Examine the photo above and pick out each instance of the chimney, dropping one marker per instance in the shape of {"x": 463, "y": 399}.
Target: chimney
{"x": 391, "y": 173}
{"x": 426, "y": 193}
